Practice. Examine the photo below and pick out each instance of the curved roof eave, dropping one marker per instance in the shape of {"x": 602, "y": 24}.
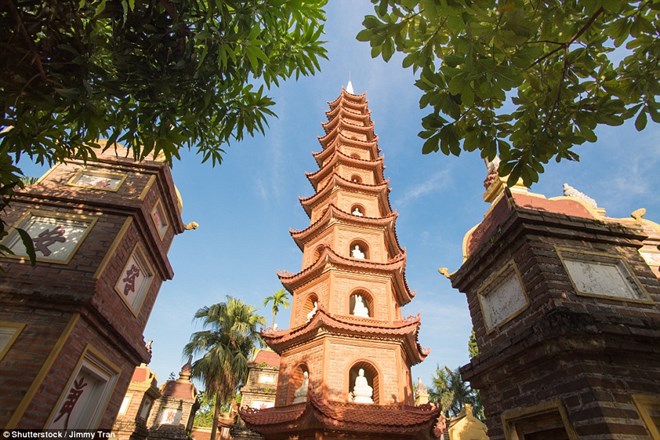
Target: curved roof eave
{"x": 381, "y": 190}
{"x": 330, "y": 143}
{"x": 406, "y": 330}
{"x": 339, "y": 157}
{"x": 394, "y": 268}
{"x": 334, "y": 212}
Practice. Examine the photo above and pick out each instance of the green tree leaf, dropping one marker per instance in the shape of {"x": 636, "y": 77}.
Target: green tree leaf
{"x": 640, "y": 122}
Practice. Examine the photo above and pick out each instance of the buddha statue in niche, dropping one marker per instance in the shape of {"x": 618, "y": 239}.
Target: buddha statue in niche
{"x": 300, "y": 395}
{"x": 357, "y": 253}
{"x": 360, "y": 309}
{"x": 311, "y": 313}
{"x": 362, "y": 392}
{"x": 357, "y": 212}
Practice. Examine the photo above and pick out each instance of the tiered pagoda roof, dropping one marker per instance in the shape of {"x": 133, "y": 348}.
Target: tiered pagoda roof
{"x": 329, "y": 146}
{"x": 349, "y": 100}
{"x": 380, "y": 190}
{"x": 329, "y": 258}
{"x": 339, "y": 157}
{"x": 398, "y": 421}
{"x": 406, "y": 331}
{"x": 334, "y": 213}
{"x": 342, "y": 124}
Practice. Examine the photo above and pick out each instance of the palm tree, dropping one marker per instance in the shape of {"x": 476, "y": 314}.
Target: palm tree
{"x": 452, "y": 392}
{"x": 279, "y": 299}
{"x": 225, "y": 346}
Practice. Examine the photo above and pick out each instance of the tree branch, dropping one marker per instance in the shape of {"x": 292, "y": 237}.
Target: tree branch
{"x": 566, "y": 45}
{"x": 36, "y": 59}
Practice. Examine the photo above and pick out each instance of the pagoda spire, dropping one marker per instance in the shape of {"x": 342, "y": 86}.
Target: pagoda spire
{"x": 348, "y": 350}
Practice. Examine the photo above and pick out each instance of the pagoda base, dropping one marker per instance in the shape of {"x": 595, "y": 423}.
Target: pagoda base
{"x": 321, "y": 419}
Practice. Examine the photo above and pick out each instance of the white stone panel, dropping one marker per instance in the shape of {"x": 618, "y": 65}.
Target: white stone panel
{"x": 601, "y": 278}
{"x": 502, "y": 298}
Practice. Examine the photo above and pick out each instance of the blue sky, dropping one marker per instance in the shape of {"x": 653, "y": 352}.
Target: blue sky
{"x": 246, "y": 206}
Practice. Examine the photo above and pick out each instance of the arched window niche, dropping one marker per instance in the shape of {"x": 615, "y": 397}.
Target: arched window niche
{"x": 356, "y": 179}
{"x": 310, "y": 307}
{"x": 363, "y": 383}
{"x": 298, "y": 389}
{"x": 355, "y": 156}
{"x": 359, "y": 250}
{"x": 357, "y": 210}
{"x": 361, "y": 304}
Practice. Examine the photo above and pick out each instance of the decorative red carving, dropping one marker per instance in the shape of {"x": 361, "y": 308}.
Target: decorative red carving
{"x": 48, "y": 238}
{"x": 71, "y": 400}
{"x": 131, "y": 274}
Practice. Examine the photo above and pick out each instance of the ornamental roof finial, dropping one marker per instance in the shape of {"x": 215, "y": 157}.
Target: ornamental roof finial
{"x": 494, "y": 184}
{"x": 349, "y": 87}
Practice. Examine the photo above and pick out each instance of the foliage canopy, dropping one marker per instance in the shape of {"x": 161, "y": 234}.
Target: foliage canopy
{"x": 453, "y": 393}
{"x": 154, "y": 75}
{"x": 524, "y": 79}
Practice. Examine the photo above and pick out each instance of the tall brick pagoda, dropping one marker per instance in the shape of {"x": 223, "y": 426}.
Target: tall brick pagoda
{"x": 565, "y": 307}
{"x": 71, "y": 327}
{"x": 345, "y": 361}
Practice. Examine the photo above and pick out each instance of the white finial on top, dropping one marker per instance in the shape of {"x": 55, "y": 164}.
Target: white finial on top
{"x": 349, "y": 87}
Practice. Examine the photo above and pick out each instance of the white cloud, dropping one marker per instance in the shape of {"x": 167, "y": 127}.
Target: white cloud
{"x": 440, "y": 180}
{"x": 261, "y": 189}
{"x": 269, "y": 185}
{"x": 634, "y": 174}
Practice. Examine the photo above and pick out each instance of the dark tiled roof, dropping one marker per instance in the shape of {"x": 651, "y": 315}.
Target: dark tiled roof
{"x": 342, "y": 416}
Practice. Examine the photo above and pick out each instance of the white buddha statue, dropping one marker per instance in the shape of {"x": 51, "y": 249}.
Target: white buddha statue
{"x": 311, "y": 313}
{"x": 357, "y": 253}
{"x": 362, "y": 392}
{"x": 357, "y": 212}
{"x": 300, "y": 395}
{"x": 360, "y": 309}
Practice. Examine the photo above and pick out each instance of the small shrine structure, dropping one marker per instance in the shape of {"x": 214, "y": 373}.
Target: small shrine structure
{"x": 131, "y": 422}
{"x": 465, "y": 426}
{"x": 174, "y": 412}
{"x": 261, "y": 386}
{"x": 565, "y": 306}
{"x": 345, "y": 361}
{"x": 260, "y": 390}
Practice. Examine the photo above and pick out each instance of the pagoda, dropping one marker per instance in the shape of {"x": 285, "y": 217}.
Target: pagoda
{"x": 346, "y": 358}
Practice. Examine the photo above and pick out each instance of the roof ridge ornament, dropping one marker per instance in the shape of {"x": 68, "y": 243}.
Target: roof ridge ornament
{"x": 349, "y": 87}
{"x": 570, "y": 191}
